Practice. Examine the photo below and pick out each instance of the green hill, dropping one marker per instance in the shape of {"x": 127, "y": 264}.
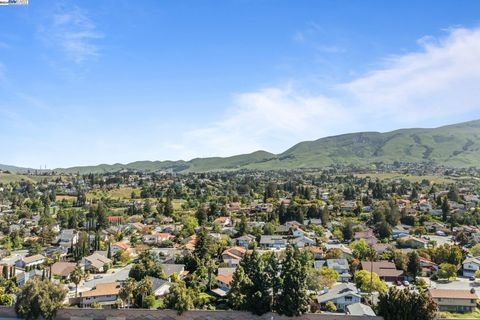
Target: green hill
{"x": 455, "y": 145}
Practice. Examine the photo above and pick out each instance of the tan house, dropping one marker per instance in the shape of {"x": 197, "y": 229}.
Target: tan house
{"x": 104, "y": 294}
{"x": 454, "y": 300}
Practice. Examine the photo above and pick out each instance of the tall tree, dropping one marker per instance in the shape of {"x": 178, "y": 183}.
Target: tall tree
{"x": 413, "y": 266}
{"x": 293, "y": 299}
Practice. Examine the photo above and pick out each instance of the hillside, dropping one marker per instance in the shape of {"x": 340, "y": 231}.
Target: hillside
{"x": 455, "y": 145}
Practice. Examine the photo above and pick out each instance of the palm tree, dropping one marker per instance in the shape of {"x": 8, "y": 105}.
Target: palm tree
{"x": 144, "y": 287}
{"x": 129, "y": 288}
{"x": 76, "y": 276}
{"x": 48, "y": 264}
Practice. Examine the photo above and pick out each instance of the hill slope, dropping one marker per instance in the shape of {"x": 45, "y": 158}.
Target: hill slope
{"x": 455, "y": 145}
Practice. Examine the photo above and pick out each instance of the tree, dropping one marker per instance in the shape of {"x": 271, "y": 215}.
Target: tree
{"x": 368, "y": 281}
{"x": 330, "y": 306}
{"x": 406, "y": 305}
{"x": 237, "y": 295}
{"x": 293, "y": 299}
{"x": 39, "y": 298}
{"x": 445, "y": 210}
{"x": 475, "y": 250}
{"x": 325, "y": 216}
{"x": 144, "y": 288}
{"x": 179, "y": 298}
{"x": 447, "y": 271}
{"x": 347, "y": 230}
{"x": 76, "y": 276}
{"x": 360, "y": 249}
{"x": 126, "y": 293}
{"x": 413, "y": 266}
{"x": 318, "y": 279}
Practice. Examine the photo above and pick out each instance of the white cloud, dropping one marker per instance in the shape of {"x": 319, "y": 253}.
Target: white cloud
{"x": 439, "y": 83}
{"x": 72, "y": 32}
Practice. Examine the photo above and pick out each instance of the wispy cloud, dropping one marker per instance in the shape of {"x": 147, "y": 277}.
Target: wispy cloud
{"x": 73, "y": 32}
{"x": 438, "y": 83}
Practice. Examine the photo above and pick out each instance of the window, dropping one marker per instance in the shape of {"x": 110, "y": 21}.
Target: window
{"x": 348, "y": 298}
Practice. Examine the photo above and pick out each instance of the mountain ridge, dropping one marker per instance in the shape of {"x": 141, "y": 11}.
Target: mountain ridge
{"x": 454, "y": 145}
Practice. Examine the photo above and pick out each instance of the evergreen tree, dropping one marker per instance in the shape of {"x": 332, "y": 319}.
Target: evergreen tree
{"x": 293, "y": 299}
{"x": 413, "y": 266}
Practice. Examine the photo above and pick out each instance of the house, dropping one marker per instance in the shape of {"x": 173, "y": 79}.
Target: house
{"x": 62, "y": 269}
{"x": 303, "y": 241}
{"x": 244, "y": 241}
{"x": 104, "y": 294}
{"x": 21, "y": 277}
{"x": 339, "y": 265}
{"x": 411, "y": 242}
{"x": 367, "y": 235}
{"x": 360, "y": 309}
{"x": 341, "y": 295}
{"x": 95, "y": 262}
{"x": 31, "y": 261}
{"x": 232, "y": 256}
{"x": 386, "y": 270}
{"x": 273, "y": 242}
{"x": 224, "y": 281}
{"x": 470, "y": 266}
{"x": 454, "y": 300}
{"x": 68, "y": 238}
{"x": 160, "y": 287}
{"x": 223, "y": 221}
{"x": 399, "y": 232}
{"x": 119, "y": 246}
{"x": 171, "y": 268}
{"x": 428, "y": 267}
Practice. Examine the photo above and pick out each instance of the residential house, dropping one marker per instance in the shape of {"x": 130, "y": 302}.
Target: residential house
{"x": 223, "y": 221}
{"x": 303, "y": 241}
{"x": 341, "y": 295}
{"x": 104, "y": 294}
{"x": 31, "y": 261}
{"x": 470, "y": 266}
{"x": 428, "y": 267}
{"x": 454, "y": 300}
{"x": 273, "y": 242}
{"x": 68, "y": 238}
{"x": 160, "y": 287}
{"x": 386, "y": 270}
{"x": 411, "y": 242}
{"x": 360, "y": 309}
{"x": 244, "y": 241}
{"x": 96, "y": 262}
{"x": 233, "y": 256}
{"x": 339, "y": 265}
{"x": 119, "y": 246}
{"x": 171, "y": 268}
{"x": 63, "y": 269}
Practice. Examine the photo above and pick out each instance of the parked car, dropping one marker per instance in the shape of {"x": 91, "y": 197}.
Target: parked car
{"x": 398, "y": 282}
{"x": 406, "y": 283}
{"x": 472, "y": 278}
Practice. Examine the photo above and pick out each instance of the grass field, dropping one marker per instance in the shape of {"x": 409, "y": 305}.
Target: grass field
{"x": 12, "y": 177}
{"x": 121, "y": 193}
{"x": 68, "y": 198}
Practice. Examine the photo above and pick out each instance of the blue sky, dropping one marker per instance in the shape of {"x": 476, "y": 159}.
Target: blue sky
{"x": 89, "y": 82}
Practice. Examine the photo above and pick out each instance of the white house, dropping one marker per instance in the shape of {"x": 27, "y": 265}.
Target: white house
{"x": 470, "y": 266}
{"x": 342, "y": 295}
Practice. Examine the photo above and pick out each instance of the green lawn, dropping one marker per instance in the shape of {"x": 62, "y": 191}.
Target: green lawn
{"x": 470, "y": 315}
